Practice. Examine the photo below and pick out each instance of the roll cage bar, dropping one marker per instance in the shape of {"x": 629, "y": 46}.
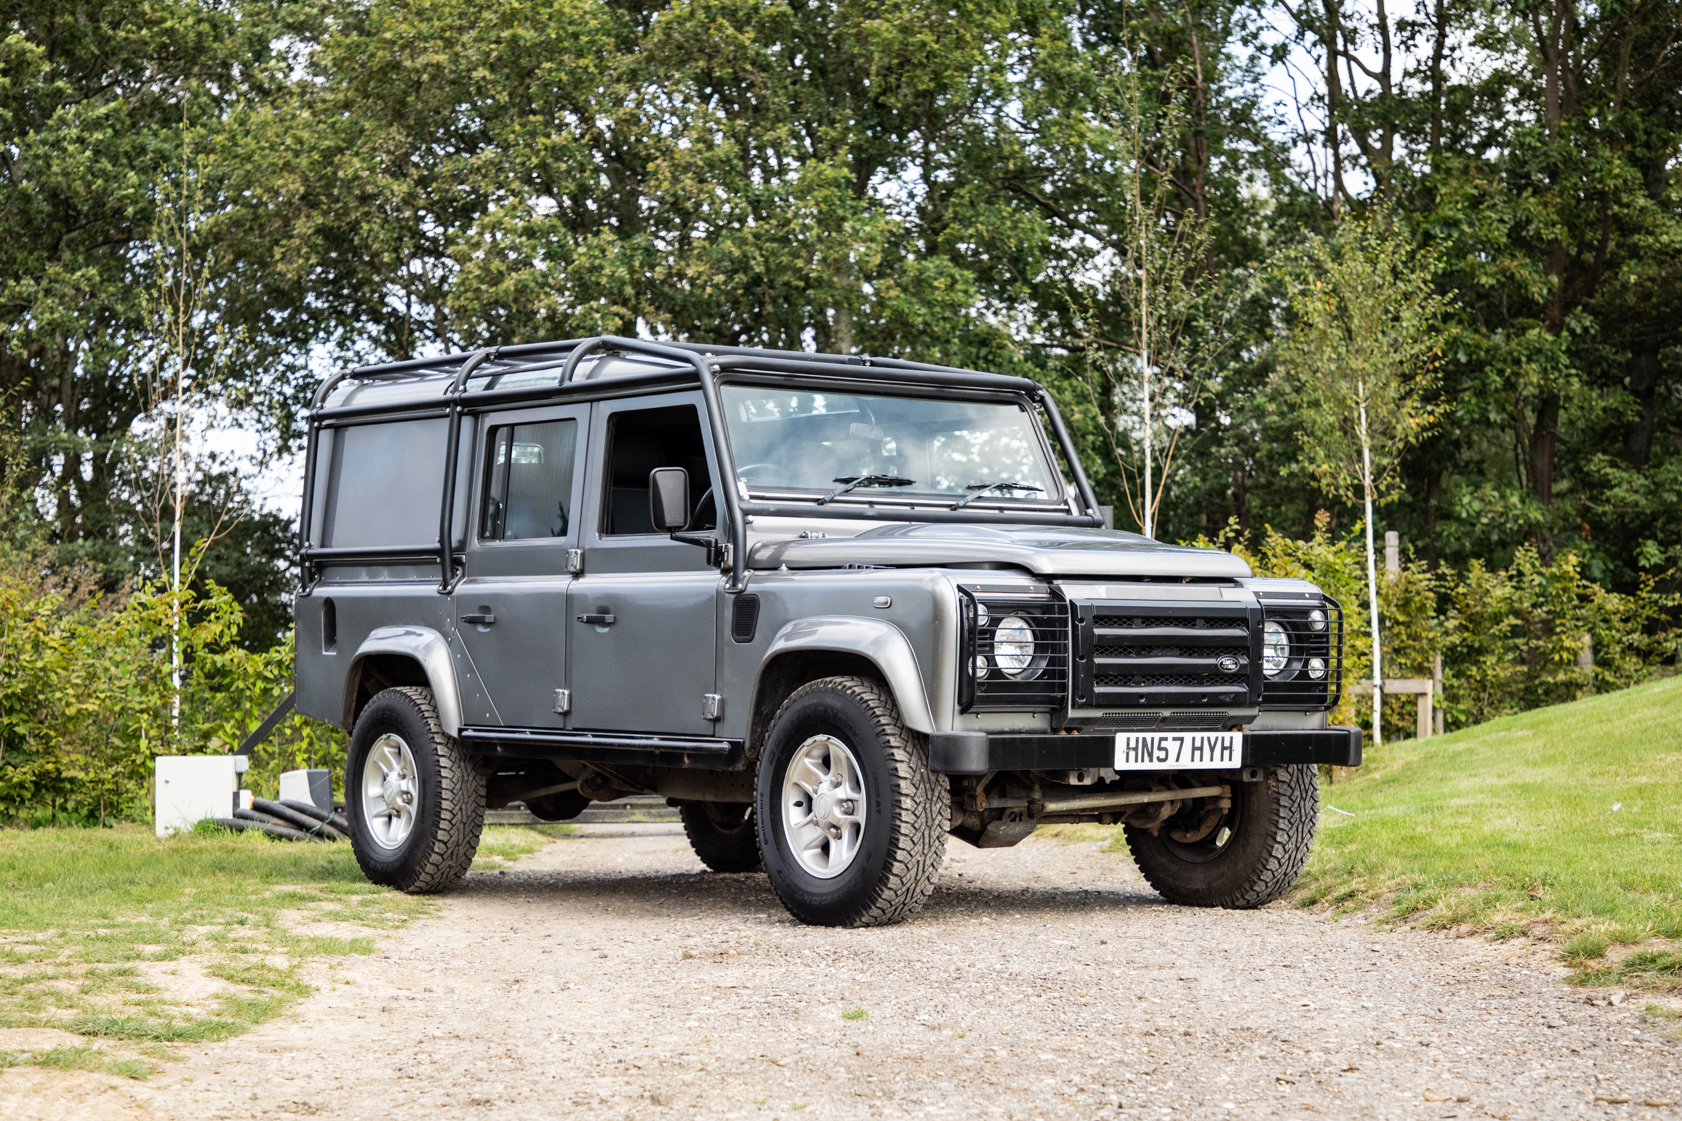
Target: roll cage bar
{"x": 706, "y": 363}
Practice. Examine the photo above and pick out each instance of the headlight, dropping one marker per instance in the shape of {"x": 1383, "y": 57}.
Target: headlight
{"x": 1276, "y": 649}
{"x": 1013, "y": 645}
{"x": 1316, "y": 620}
{"x": 1317, "y": 668}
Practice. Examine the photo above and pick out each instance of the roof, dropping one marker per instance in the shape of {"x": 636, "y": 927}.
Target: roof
{"x": 550, "y": 368}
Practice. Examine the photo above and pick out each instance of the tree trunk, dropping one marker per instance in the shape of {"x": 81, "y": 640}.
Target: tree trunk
{"x": 1643, "y": 385}
{"x": 1544, "y": 447}
{"x": 1372, "y": 583}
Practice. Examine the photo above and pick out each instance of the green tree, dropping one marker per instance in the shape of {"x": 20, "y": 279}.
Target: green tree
{"x": 92, "y": 98}
{"x": 1359, "y": 356}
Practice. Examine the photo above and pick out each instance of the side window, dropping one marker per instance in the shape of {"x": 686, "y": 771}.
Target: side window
{"x": 639, "y": 440}
{"x": 529, "y": 481}
{"x": 386, "y": 482}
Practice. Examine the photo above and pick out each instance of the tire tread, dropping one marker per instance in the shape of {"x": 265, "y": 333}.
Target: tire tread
{"x": 1297, "y": 810}
{"x": 918, "y": 812}
{"x": 450, "y": 850}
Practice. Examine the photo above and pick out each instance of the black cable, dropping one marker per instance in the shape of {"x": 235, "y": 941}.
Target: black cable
{"x": 292, "y": 817}
{"x": 261, "y": 825}
{"x": 336, "y": 825}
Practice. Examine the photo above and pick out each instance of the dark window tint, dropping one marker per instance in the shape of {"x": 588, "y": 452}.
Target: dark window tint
{"x": 386, "y": 482}
{"x": 529, "y": 491}
{"x": 641, "y": 440}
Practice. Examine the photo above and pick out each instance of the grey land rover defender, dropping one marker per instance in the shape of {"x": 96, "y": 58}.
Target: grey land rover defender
{"x": 833, "y": 608}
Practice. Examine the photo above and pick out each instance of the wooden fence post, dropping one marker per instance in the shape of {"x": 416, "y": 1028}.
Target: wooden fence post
{"x": 1437, "y": 688}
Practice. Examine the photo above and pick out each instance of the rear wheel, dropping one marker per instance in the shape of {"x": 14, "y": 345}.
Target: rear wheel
{"x": 415, "y": 800}
{"x": 1247, "y": 857}
{"x": 852, "y": 823}
{"x": 722, "y": 835}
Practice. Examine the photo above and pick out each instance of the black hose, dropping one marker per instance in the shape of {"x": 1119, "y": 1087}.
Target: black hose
{"x": 260, "y": 825}
{"x": 295, "y": 818}
{"x": 338, "y": 823}
{"x": 308, "y": 808}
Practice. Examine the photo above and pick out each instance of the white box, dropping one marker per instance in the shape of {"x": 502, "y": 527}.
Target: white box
{"x": 313, "y": 787}
{"x": 191, "y": 788}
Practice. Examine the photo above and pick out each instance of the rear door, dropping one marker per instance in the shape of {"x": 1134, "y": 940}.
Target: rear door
{"x": 510, "y": 607}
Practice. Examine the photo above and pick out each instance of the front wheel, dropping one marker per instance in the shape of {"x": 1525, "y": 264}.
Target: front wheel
{"x": 852, "y": 823}
{"x": 1247, "y": 857}
{"x": 415, "y": 800}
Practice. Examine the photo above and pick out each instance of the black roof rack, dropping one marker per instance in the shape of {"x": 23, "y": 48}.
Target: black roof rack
{"x": 565, "y": 355}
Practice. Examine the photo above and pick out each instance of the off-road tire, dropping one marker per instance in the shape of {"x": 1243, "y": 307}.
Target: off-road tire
{"x": 451, "y": 814}
{"x": 904, "y": 834}
{"x": 722, "y": 835}
{"x": 1272, "y": 823}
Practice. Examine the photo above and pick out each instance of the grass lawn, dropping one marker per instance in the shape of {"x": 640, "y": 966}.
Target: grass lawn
{"x": 1564, "y": 823}
{"x": 135, "y": 943}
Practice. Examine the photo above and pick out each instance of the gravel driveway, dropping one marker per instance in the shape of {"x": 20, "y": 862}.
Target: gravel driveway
{"x": 608, "y": 974}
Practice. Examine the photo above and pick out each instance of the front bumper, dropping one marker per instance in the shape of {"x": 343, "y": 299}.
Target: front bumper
{"x": 977, "y": 753}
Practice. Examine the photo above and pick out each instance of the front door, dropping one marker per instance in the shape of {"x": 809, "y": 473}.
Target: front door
{"x": 510, "y": 607}
{"x": 642, "y": 613}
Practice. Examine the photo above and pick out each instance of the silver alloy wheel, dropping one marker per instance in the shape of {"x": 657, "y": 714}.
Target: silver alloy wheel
{"x": 390, "y": 791}
{"x": 823, "y": 806}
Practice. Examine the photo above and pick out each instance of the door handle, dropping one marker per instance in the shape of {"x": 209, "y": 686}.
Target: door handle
{"x": 597, "y": 620}
{"x": 483, "y": 619}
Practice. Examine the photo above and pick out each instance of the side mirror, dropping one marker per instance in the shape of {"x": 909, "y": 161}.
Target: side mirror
{"x": 668, "y": 499}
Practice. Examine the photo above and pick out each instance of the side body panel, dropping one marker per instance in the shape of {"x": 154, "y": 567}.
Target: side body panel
{"x": 912, "y": 640}
{"x": 358, "y": 609}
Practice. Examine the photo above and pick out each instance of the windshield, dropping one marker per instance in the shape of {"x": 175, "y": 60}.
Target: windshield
{"x": 876, "y": 446}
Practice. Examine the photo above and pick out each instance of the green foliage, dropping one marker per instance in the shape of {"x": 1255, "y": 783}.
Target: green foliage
{"x": 86, "y": 699}
{"x": 1510, "y": 638}
{"x": 1359, "y": 356}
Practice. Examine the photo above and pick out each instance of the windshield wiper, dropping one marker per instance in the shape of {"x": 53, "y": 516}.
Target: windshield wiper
{"x": 982, "y": 488}
{"x": 864, "y": 481}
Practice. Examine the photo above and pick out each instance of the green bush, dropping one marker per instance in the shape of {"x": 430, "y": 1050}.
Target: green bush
{"x": 1510, "y": 638}
{"x": 87, "y": 700}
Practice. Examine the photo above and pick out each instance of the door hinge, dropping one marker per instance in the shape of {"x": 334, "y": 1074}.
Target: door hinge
{"x": 712, "y": 706}
{"x": 575, "y": 561}
{"x": 563, "y": 701}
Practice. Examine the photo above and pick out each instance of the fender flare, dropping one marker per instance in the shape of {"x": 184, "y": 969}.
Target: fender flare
{"x": 880, "y": 642}
{"x": 422, "y": 645}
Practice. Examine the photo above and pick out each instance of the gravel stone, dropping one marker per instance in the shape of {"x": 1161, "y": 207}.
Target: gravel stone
{"x": 1043, "y": 981}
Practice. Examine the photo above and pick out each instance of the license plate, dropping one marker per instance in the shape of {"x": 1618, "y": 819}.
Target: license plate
{"x": 1178, "y": 751}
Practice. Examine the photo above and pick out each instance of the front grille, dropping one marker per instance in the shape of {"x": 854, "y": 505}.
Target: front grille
{"x": 1175, "y": 721}
{"x": 1166, "y": 655}
{"x": 1044, "y": 682}
{"x": 1295, "y": 685}
{"x": 1155, "y": 653}
{"x": 1147, "y": 622}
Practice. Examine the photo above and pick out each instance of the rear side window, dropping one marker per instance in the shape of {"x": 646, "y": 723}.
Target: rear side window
{"x": 529, "y": 489}
{"x": 386, "y": 482}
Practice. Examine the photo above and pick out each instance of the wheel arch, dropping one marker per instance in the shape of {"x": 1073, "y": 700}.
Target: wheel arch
{"x": 394, "y": 656}
{"x": 839, "y": 646}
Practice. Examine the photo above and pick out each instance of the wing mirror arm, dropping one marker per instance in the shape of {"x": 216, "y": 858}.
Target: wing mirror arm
{"x": 668, "y": 509}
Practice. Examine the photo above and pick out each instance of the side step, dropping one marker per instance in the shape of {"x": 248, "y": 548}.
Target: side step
{"x": 605, "y": 747}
